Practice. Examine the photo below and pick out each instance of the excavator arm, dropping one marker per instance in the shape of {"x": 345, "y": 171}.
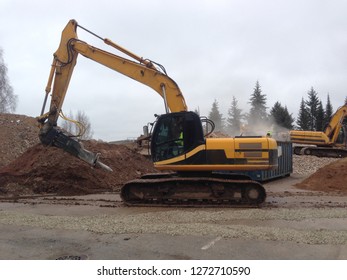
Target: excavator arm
{"x": 64, "y": 61}
{"x": 333, "y": 128}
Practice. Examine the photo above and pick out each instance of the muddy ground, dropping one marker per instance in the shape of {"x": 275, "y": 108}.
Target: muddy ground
{"x": 54, "y": 206}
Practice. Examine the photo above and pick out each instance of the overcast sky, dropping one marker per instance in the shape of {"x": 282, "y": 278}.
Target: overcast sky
{"x": 213, "y": 49}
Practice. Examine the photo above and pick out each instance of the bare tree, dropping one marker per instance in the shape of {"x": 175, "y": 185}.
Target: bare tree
{"x": 8, "y": 100}
{"x": 78, "y": 125}
{"x": 83, "y": 118}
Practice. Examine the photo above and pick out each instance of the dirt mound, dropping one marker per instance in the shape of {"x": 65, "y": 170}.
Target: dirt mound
{"x": 17, "y": 134}
{"x": 27, "y": 167}
{"x": 49, "y": 170}
{"x": 331, "y": 177}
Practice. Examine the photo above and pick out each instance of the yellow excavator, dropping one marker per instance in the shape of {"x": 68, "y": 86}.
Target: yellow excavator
{"x": 332, "y": 142}
{"x": 197, "y": 168}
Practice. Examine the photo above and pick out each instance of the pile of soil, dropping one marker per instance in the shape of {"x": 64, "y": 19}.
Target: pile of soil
{"x": 330, "y": 178}
{"x": 49, "y": 170}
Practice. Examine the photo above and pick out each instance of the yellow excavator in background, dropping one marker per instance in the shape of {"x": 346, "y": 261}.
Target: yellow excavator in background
{"x": 178, "y": 144}
{"x": 330, "y": 143}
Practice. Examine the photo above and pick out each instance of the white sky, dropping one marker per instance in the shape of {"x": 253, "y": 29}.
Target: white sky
{"x": 213, "y": 49}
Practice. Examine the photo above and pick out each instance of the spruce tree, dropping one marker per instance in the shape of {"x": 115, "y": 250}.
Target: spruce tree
{"x": 328, "y": 111}
{"x": 303, "y": 118}
{"x": 312, "y": 108}
{"x": 320, "y": 116}
{"x": 288, "y": 121}
{"x": 216, "y": 116}
{"x": 281, "y": 116}
{"x": 197, "y": 111}
{"x": 234, "y": 118}
{"x": 257, "y": 114}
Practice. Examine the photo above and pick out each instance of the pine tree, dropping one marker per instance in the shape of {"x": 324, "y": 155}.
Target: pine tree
{"x": 216, "y": 116}
{"x": 234, "y": 118}
{"x": 258, "y": 108}
{"x": 303, "y": 117}
{"x": 281, "y": 117}
{"x": 312, "y": 108}
{"x": 288, "y": 121}
{"x": 320, "y": 117}
{"x": 328, "y": 111}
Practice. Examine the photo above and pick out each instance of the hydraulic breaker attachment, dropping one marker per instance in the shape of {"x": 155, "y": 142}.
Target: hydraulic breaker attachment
{"x": 54, "y": 136}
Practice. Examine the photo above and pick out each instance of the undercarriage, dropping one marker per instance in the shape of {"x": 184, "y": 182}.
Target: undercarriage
{"x": 320, "y": 151}
{"x": 192, "y": 191}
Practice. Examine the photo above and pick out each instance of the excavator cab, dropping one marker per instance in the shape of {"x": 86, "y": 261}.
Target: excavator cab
{"x": 175, "y": 134}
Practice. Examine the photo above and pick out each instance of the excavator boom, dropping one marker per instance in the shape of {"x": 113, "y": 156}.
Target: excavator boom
{"x": 142, "y": 71}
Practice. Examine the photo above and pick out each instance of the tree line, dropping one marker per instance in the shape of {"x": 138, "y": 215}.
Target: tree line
{"x": 313, "y": 115}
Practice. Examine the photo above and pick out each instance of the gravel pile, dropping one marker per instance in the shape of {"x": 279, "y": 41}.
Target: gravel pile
{"x": 305, "y": 165}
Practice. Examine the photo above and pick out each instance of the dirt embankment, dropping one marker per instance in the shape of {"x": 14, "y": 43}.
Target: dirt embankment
{"x": 27, "y": 167}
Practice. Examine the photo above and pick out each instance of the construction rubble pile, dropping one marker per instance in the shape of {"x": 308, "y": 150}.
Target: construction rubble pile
{"x": 29, "y": 168}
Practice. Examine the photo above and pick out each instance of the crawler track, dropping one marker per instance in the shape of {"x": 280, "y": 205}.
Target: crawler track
{"x": 321, "y": 151}
{"x": 193, "y": 192}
